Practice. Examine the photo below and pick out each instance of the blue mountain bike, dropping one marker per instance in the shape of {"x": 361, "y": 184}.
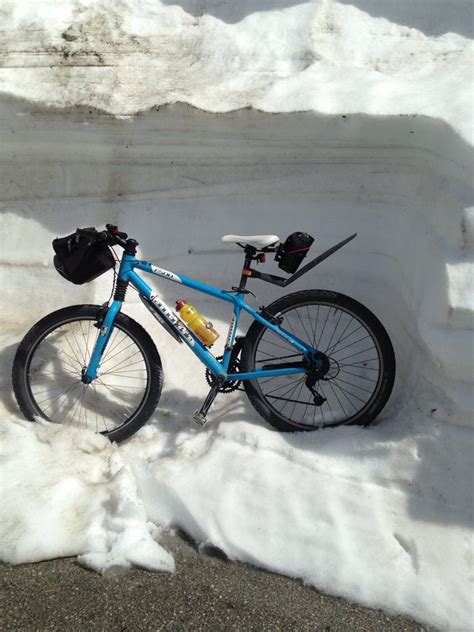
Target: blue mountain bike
{"x": 311, "y": 359}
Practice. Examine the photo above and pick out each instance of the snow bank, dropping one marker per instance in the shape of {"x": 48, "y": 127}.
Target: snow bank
{"x": 68, "y": 492}
{"x": 380, "y": 516}
{"x": 178, "y": 179}
{"x": 321, "y": 56}
{"x": 346, "y": 511}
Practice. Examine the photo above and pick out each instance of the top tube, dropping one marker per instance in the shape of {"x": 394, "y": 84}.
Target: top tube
{"x": 129, "y": 263}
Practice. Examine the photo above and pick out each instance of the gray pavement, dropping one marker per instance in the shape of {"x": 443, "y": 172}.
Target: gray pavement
{"x": 206, "y": 593}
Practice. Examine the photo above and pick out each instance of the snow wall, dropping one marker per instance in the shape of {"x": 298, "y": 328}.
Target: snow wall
{"x": 177, "y": 179}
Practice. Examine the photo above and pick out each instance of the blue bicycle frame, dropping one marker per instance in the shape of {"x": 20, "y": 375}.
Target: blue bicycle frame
{"x": 175, "y": 326}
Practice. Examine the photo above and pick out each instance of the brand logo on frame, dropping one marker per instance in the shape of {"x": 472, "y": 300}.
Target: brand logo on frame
{"x": 166, "y": 274}
{"x": 230, "y": 334}
{"x": 171, "y": 318}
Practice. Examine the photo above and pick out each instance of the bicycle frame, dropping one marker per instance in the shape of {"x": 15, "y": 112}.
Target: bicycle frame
{"x": 236, "y": 297}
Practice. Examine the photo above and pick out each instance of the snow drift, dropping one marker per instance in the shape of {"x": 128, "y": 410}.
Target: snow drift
{"x": 385, "y": 151}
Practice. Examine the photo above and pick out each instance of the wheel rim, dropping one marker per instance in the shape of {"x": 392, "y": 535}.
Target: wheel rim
{"x": 54, "y": 368}
{"x": 355, "y": 366}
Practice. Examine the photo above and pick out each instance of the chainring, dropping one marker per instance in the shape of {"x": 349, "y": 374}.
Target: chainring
{"x": 229, "y": 385}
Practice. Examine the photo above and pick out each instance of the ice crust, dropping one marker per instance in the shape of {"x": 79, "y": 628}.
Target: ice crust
{"x": 382, "y": 516}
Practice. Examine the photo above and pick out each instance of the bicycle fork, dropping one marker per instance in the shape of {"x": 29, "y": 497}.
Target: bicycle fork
{"x": 105, "y": 326}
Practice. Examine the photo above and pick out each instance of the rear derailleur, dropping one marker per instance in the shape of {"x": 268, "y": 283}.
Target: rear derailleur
{"x": 319, "y": 367}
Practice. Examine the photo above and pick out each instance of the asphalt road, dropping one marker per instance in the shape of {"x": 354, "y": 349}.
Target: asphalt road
{"x": 206, "y": 593}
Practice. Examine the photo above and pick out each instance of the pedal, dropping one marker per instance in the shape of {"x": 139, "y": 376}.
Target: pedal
{"x": 199, "y": 418}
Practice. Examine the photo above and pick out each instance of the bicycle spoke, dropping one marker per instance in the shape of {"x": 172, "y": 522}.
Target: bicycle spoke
{"x": 354, "y": 343}
{"x": 341, "y": 338}
{"x": 61, "y": 396}
{"x": 296, "y": 402}
{"x": 68, "y": 391}
{"x": 335, "y": 382}
{"x": 302, "y": 324}
{"x": 118, "y": 353}
{"x": 358, "y": 353}
{"x": 290, "y": 394}
{"x": 347, "y": 386}
{"x": 274, "y": 344}
{"x": 111, "y": 345}
{"x": 334, "y": 331}
{"x": 324, "y": 327}
{"x": 313, "y": 331}
{"x": 361, "y": 377}
{"x": 354, "y": 385}
{"x": 127, "y": 360}
{"x": 85, "y": 349}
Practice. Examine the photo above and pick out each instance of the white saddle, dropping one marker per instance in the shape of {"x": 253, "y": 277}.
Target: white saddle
{"x": 258, "y": 241}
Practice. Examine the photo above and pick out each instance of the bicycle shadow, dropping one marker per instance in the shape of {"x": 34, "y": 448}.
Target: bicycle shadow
{"x": 436, "y": 490}
{"x": 176, "y": 407}
{"x": 435, "y": 478}
{"x": 65, "y": 391}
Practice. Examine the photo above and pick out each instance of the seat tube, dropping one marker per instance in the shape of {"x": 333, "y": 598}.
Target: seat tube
{"x": 249, "y": 252}
{"x": 231, "y": 337}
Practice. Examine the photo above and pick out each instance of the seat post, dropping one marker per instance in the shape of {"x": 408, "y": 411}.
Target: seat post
{"x": 249, "y": 256}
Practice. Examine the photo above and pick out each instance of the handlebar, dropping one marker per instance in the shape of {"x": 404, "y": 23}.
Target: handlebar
{"x": 113, "y": 230}
{"x": 114, "y": 237}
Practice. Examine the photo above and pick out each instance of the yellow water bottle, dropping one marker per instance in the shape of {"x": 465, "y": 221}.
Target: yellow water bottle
{"x": 203, "y": 328}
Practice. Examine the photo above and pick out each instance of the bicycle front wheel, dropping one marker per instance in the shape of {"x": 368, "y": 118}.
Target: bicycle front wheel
{"x": 48, "y": 367}
{"x": 359, "y": 363}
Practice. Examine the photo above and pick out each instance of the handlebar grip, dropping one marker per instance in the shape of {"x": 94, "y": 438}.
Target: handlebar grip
{"x": 115, "y": 231}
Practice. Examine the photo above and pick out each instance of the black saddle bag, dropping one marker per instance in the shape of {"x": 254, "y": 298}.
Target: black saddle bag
{"x": 291, "y": 253}
{"x": 82, "y": 256}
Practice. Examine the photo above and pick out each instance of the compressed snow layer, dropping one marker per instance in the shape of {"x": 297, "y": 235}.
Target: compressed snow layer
{"x": 69, "y": 492}
{"x": 179, "y": 179}
{"x": 380, "y": 516}
{"x": 362, "y": 514}
{"x": 279, "y": 57}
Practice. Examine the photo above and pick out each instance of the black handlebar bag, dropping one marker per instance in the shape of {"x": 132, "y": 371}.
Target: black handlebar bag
{"x": 82, "y": 256}
{"x": 291, "y": 253}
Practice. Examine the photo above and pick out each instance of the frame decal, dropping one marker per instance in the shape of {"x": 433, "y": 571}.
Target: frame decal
{"x": 165, "y": 274}
{"x": 163, "y": 308}
{"x": 230, "y": 335}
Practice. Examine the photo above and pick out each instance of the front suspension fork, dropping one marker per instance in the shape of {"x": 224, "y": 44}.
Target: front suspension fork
{"x": 105, "y": 326}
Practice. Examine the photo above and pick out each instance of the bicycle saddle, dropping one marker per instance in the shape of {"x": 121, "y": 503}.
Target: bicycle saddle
{"x": 257, "y": 241}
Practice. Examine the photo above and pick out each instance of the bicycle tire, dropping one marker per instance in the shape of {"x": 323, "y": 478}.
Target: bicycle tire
{"x": 64, "y": 369}
{"x": 265, "y": 403}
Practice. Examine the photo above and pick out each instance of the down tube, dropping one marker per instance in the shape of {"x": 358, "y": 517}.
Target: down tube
{"x": 193, "y": 343}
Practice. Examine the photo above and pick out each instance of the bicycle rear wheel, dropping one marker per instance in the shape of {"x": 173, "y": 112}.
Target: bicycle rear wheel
{"x": 359, "y": 365}
{"x": 49, "y": 362}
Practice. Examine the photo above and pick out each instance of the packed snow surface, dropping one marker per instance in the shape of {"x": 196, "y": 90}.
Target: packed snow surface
{"x": 382, "y": 516}
{"x": 127, "y": 56}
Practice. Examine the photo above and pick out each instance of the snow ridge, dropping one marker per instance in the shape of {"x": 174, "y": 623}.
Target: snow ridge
{"x": 319, "y": 56}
